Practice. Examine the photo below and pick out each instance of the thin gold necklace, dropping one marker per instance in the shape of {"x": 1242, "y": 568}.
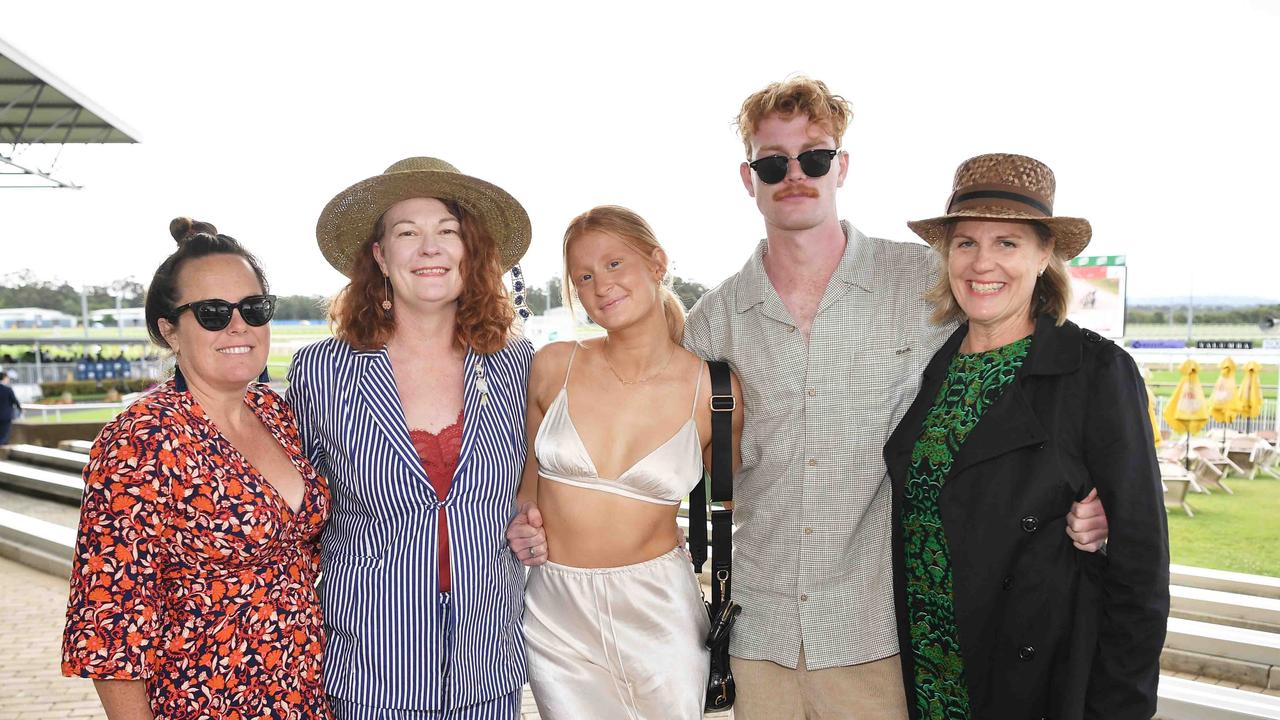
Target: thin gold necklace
{"x": 605, "y": 351}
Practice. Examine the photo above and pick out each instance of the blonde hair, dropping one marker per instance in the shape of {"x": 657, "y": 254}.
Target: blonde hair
{"x": 1051, "y": 295}
{"x": 631, "y": 229}
{"x": 796, "y": 94}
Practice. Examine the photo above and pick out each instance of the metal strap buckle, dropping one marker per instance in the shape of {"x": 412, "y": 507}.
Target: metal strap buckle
{"x": 723, "y": 403}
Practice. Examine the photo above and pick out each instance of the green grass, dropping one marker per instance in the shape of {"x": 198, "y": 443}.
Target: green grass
{"x": 1230, "y": 532}
{"x": 101, "y": 414}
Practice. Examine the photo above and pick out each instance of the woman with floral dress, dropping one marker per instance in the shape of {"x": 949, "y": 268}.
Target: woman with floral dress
{"x": 193, "y": 585}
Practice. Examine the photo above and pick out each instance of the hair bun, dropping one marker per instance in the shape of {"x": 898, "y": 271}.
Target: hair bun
{"x": 182, "y": 228}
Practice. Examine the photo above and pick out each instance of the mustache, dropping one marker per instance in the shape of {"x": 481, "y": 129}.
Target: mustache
{"x": 795, "y": 191}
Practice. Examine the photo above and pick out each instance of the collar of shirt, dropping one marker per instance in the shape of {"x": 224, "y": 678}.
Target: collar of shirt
{"x": 856, "y": 268}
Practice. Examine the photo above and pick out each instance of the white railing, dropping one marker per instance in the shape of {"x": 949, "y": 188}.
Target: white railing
{"x": 57, "y": 410}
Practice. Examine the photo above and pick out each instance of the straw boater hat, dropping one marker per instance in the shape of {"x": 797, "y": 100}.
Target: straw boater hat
{"x": 349, "y": 218}
{"x": 1001, "y": 186}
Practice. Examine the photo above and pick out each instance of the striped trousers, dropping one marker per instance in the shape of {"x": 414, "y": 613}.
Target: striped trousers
{"x": 506, "y": 707}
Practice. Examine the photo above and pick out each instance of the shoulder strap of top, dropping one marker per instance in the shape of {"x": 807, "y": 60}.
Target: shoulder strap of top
{"x": 697, "y": 387}
{"x": 569, "y": 367}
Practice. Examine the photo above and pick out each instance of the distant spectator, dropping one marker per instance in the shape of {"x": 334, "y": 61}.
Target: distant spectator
{"x": 10, "y": 408}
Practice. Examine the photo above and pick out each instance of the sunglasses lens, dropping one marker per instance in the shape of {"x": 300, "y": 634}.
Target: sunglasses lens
{"x": 772, "y": 169}
{"x": 212, "y": 314}
{"x": 815, "y": 163}
{"x": 257, "y": 311}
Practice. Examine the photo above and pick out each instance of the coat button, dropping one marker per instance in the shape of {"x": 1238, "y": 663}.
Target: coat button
{"x": 1007, "y": 582}
{"x": 1030, "y": 524}
{"x": 1026, "y": 652}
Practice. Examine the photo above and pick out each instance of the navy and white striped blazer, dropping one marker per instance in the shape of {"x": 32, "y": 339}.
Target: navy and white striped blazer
{"x": 380, "y": 548}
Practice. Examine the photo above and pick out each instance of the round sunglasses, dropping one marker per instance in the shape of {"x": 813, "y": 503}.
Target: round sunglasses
{"x": 773, "y": 169}
{"x": 215, "y": 314}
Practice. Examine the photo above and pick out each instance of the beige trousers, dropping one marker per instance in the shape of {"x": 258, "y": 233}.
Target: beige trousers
{"x": 768, "y": 691}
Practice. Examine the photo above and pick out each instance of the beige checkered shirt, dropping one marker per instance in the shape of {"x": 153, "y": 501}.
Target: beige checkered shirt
{"x": 811, "y": 560}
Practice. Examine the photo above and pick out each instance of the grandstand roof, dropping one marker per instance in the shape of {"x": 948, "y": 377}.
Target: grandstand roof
{"x": 38, "y": 107}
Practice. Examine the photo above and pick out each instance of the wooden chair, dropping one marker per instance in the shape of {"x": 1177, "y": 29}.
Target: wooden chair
{"x": 1176, "y": 481}
{"x": 1206, "y": 474}
{"x": 1175, "y": 455}
{"x": 1211, "y": 453}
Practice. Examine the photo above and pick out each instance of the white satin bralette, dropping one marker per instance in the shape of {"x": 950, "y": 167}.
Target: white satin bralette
{"x": 664, "y": 476}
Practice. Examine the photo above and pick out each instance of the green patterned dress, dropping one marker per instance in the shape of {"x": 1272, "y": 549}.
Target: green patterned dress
{"x": 973, "y": 383}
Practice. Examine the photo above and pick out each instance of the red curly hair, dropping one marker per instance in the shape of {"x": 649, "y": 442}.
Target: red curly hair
{"x": 485, "y": 313}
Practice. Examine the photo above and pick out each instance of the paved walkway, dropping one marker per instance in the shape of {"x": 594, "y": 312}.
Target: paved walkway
{"x": 32, "y": 608}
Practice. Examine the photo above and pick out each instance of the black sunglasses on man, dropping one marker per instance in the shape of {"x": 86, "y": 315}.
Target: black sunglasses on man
{"x": 814, "y": 163}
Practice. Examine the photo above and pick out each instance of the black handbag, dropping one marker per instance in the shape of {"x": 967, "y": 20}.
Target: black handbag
{"x": 721, "y": 609}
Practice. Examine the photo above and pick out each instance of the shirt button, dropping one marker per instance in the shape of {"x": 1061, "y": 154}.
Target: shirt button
{"x": 808, "y": 531}
{"x": 1026, "y": 652}
{"x": 1030, "y": 524}
{"x": 804, "y": 598}
{"x": 1007, "y": 583}
{"x": 812, "y": 392}
{"x": 813, "y": 463}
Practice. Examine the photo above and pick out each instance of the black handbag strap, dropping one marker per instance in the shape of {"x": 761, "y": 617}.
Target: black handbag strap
{"x": 722, "y": 406}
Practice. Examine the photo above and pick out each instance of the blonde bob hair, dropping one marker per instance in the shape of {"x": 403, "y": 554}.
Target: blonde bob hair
{"x": 632, "y": 230}
{"x": 1051, "y": 296}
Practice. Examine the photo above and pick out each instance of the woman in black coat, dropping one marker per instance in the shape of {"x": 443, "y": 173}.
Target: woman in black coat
{"x": 1020, "y": 414}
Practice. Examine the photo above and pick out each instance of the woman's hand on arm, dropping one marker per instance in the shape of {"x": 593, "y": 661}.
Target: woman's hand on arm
{"x": 525, "y": 536}
{"x": 1087, "y": 523}
{"x": 124, "y": 699}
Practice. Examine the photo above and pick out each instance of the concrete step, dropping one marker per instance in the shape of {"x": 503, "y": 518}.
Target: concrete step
{"x": 50, "y": 483}
{"x": 1224, "y": 581}
{"x": 64, "y": 460}
{"x": 1244, "y": 611}
{"x": 1181, "y": 699}
{"x": 37, "y": 543}
{"x": 1240, "y": 655}
{"x": 80, "y": 446}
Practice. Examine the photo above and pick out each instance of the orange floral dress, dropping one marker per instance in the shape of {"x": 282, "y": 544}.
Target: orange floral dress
{"x": 191, "y": 572}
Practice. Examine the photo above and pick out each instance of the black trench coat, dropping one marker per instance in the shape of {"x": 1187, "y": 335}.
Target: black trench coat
{"x": 1047, "y": 631}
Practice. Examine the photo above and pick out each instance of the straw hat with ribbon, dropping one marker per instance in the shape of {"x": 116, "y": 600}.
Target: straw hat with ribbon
{"x": 1005, "y": 187}
{"x": 347, "y": 221}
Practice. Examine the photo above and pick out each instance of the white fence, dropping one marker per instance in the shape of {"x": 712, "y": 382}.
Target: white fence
{"x": 1265, "y": 421}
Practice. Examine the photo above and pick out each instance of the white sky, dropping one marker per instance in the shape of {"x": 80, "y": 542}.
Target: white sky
{"x": 1159, "y": 118}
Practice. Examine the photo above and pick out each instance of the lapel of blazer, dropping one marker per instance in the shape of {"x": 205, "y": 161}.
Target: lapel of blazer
{"x": 477, "y": 394}
{"x": 376, "y": 388}
{"x": 1011, "y": 422}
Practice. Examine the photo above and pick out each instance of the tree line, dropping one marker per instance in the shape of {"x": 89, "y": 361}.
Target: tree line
{"x": 23, "y": 289}
{"x": 1212, "y": 315}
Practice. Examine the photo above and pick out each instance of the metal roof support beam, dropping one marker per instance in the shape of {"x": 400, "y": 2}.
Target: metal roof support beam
{"x": 54, "y": 126}
{"x": 31, "y": 109}
{"x": 24, "y": 170}
{"x": 18, "y": 97}
{"x": 72, "y": 127}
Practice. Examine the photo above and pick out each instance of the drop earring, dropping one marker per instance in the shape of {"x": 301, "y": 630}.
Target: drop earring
{"x": 386, "y": 294}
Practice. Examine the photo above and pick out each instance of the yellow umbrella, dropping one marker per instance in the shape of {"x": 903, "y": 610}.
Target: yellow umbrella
{"x": 1151, "y": 406}
{"x": 1187, "y": 411}
{"x": 1249, "y": 394}
{"x": 1222, "y": 403}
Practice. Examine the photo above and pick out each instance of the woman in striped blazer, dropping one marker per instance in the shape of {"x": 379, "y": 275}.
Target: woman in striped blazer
{"x": 415, "y": 412}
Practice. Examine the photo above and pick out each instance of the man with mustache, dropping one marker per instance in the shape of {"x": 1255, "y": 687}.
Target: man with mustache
{"x": 829, "y": 333}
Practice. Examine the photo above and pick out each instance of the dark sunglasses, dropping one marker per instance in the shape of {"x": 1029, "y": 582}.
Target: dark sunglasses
{"x": 773, "y": 169}
{"x": 214, "y": 315}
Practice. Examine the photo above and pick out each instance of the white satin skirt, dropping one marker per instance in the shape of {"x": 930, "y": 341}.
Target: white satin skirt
{"x": 622, "y": 643}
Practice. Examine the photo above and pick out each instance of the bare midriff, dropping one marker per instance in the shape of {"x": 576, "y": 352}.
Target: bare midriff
{"x": 594, "y": 529}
